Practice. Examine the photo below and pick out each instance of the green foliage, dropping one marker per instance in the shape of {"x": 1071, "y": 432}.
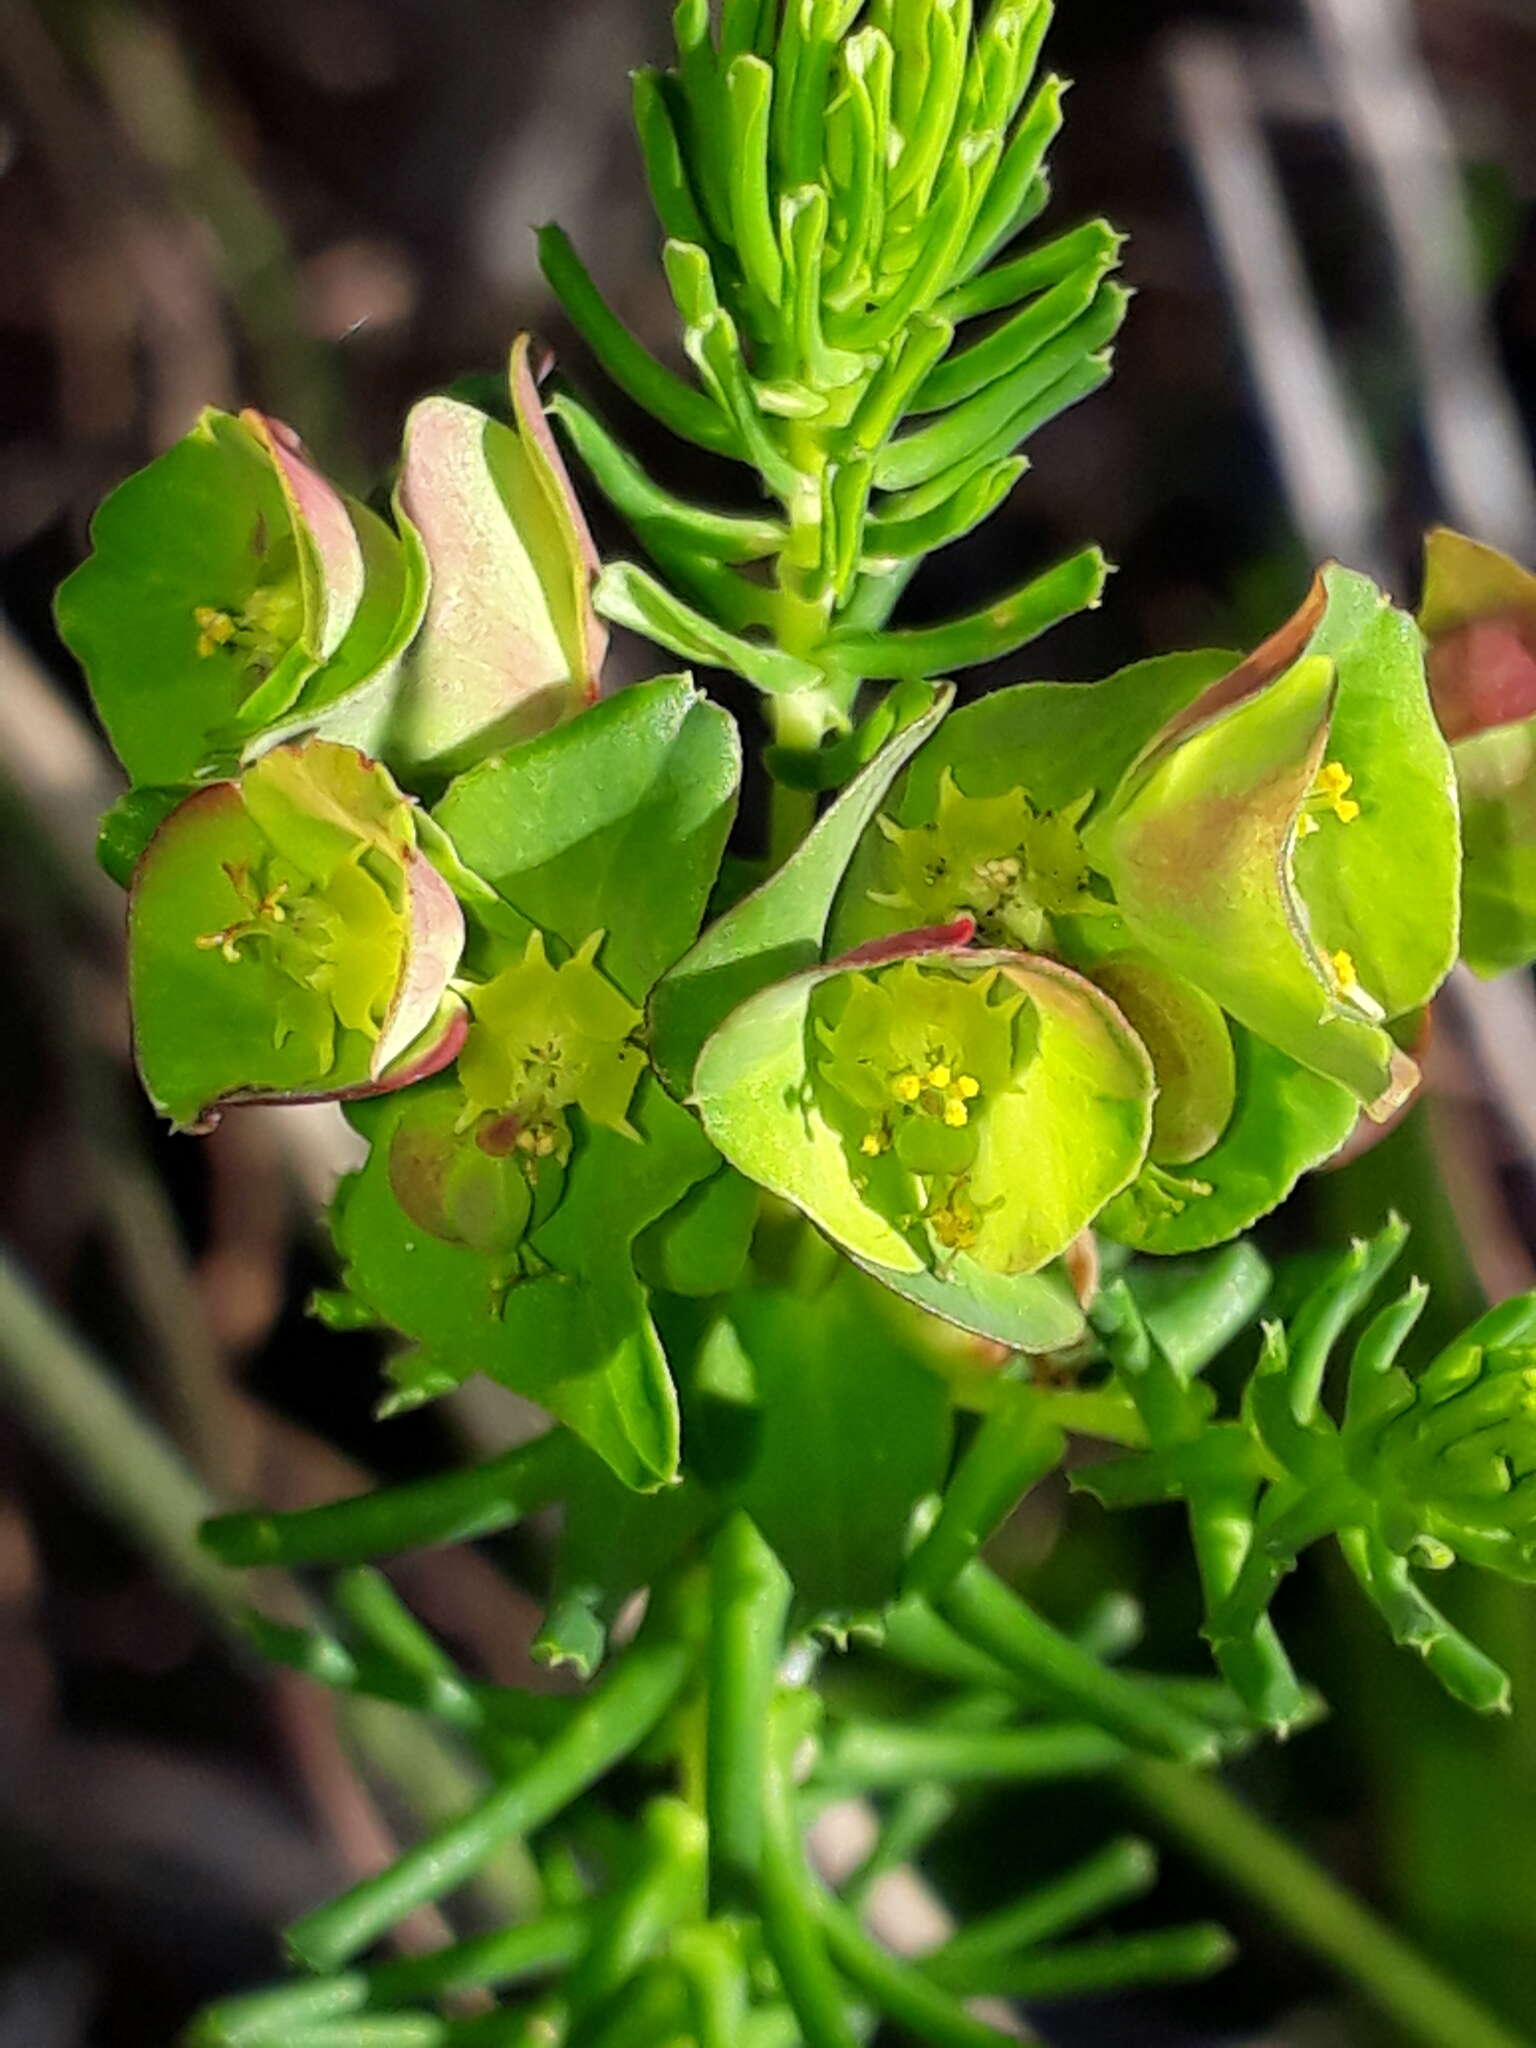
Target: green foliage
{"x": 1417, "y": 1470}
{"x": 808, "y": 1194}
{"x": 833, "y": 197}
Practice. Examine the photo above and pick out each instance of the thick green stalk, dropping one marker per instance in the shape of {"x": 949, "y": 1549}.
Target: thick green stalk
{"x": 788, "y": 1900}
{"x": 1300, "y": 1897}
{"x": 508, "y": 1957}
{"x": 982, "y": 1609}
{"x": 749, "y": 1603}
{"x": 881, "y": 1756}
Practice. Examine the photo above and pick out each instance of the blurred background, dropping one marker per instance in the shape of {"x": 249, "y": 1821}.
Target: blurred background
{"x": 323, "y": 207}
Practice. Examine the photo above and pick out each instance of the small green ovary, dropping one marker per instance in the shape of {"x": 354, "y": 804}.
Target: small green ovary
{"x": 546, "y": 1039}
{"x": 1016, "y": 870}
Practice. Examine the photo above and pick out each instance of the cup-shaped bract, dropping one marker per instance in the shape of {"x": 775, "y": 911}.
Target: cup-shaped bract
{"x": 229, "y": 584}
{"x": 510, "y": 645}
{"x": 479, "y": 1159}
{"x": 1479, "y": 617}
{"x": 547, "y": 1038}
{"x": 289, "y": 940}
{"x": 1289, "y": 844}
{"x": 928, "y": 1105}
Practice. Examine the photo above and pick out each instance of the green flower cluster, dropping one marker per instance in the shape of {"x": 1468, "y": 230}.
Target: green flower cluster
{"x": 1221, "y": 848}
{"x": 1128, "y": 958}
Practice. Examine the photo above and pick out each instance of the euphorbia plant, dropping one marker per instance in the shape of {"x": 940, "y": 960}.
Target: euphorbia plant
{"x": 816, "y": 1196}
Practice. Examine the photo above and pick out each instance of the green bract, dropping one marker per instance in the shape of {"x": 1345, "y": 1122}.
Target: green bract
{"x": 934, "y": 1114}
{"x": 988, "y": 823}
{"x": 1479, "y": 616}
{"x": 1259, "y": 847}
{"x": 510, "y": 645}
{"x": 233, "y": 593}
{"x": 287, "y": 938}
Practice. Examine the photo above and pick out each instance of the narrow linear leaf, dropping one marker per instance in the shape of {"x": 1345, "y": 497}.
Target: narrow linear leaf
{"x": 1012, "y": 343}
{"x": 1075, "y": 585}
{"x": 1010, "y": 283}
{"x": 630, "y": 596}
{"x": 920, "y": 456}
{"x": 653, "y": 511}
{"x": 687, "y": 412}
{"x": 1087, "y": 376}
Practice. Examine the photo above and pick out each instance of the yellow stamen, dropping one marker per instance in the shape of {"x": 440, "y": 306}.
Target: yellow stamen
{"x": 215, "y": 629}
{"x": 1331, "y": 792}
{"x": 873, "y": 1143}
{"x": 967, "y": 1087}
{"x": 956, "y": 1115}
{"x": 938, "y": 1077}
{"x": 906, "y": 1087}
{"x": 1344, "y": 971}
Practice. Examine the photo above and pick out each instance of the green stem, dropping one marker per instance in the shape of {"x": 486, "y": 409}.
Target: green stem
{"x": 665, "y": 1887}
{"x": 900, "y": 1990}
{"x": 876, "y": 1756}
{"x": 749, "y": 1604}
{"x": 453, "y": 1507}
{"x": 715, "y": 1971}
{"x": 614, "y": 1720}
{"x": 1122, "y": 1870}
{"x": 787, "y": 1899}
{"x": 982, "y": 1609}
{"x": 797, "y": 726}
{"x": 1167, "y": 1956}
{"x": 508, "y": 1957}
{"x": 1015, "y": 1447}
{"x": 1314, "y": 1908}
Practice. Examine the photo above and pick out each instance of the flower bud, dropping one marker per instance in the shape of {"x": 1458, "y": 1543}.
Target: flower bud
{"x": 510, "y": 645}
{"x": 289, "y": 940}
